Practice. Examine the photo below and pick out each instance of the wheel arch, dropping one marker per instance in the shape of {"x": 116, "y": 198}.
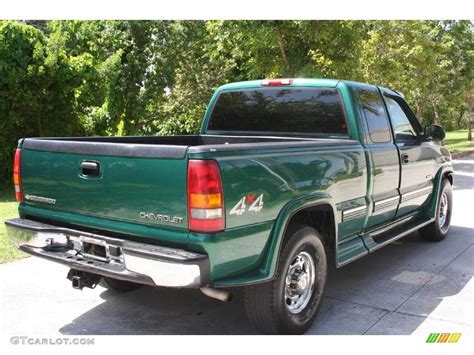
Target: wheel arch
{"x": 445, "y": 172}
{"x": 297, "y": 212}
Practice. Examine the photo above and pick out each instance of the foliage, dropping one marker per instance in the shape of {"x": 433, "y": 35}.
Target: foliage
{"x": 431, "y": 62}
{"x": 156, "y": 77}
{"x": 292, "y": 48}
{"x": 37, "y": 85}
{"x": 8, "y": 209}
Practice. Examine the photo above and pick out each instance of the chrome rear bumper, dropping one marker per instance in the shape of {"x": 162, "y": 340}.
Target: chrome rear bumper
{"x": 117, "y": 258}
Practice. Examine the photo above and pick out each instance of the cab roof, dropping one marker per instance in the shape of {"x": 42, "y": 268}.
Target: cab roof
{"x": 308, "y": 82}
{"x": 331, "y": 83}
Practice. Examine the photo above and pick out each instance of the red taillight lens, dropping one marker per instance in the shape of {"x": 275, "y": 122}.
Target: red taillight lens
{"x": 276, "y": 82}
{"x": 205, "y": 197}
{"x": 17, "y": 176}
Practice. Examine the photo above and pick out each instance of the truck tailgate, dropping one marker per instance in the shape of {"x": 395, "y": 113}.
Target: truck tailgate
{"x": 128, "y": 182}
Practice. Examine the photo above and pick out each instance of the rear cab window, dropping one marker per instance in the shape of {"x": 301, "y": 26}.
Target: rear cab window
{"x": 303, "y": 111}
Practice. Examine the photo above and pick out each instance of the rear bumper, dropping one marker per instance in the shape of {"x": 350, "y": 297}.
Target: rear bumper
{"x": 117, "y": 258}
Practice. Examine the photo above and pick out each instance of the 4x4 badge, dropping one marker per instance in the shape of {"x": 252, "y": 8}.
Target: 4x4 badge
{"x": 241, "y": 207}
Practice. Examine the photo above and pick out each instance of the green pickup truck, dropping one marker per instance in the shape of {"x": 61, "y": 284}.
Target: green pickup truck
{"x": 285, "y": 175}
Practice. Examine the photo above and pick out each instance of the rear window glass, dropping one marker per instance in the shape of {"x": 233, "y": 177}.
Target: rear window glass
{"x": 290, "y": 110}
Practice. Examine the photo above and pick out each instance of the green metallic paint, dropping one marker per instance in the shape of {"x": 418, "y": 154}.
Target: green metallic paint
{"x": 269, "y": 259}
{"x": 282, "y": 177}
{"x": 233, "y": 252}
{"x": 286, "y": 178}
{"x": 126, "y": 187}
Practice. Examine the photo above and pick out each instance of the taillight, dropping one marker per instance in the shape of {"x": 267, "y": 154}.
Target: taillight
{"x": 276, "y": 82}
{"x": 205, "y": 197}
{"x": 17, "y": 176}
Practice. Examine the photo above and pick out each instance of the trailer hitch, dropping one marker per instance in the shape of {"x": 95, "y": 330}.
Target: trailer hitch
{"x": 81, "y": 279}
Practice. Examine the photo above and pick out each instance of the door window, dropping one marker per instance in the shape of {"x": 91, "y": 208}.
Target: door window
{"x": 375, "y": 116}
{"x": 403, "y": 128}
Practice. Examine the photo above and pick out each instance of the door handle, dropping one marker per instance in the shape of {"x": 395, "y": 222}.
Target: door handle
{"x": 90, "y": 168}
{"x": 405, "y": 159}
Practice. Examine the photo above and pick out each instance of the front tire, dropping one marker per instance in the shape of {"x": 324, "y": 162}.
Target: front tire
{"x": 290, "y": 302}
{"x": 438, "y": 230}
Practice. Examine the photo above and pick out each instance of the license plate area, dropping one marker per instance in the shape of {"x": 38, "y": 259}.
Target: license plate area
{"x": 95, "y": 249}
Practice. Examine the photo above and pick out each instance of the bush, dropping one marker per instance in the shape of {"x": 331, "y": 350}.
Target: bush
{"x": 37, "y": 89}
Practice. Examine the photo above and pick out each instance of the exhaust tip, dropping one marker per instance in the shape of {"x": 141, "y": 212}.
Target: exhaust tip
{"x": 218, "y": 294}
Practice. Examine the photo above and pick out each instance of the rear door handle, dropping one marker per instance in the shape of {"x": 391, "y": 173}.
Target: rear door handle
{"x": 405, "y": 159}
{"x": 90, "y": 168}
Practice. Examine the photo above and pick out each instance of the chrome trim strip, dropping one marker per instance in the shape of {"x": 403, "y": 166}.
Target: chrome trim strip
{"x": 387, "y": 200}
{"x": 379, "y": 205}
{"x": 416, "y": 193}
{"x": 386, "y": 227}
{"x": 356, "y": 209}
{"x": 353, "y": 212}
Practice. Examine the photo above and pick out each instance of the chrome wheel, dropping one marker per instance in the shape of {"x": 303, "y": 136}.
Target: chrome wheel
{"x": 443, "y": 210}
{"x": 299, "y": 282}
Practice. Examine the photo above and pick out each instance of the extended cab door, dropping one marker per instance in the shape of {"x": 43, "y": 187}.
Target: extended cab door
{"x": 417, "y": 156}
{"x": 382, "y": 156}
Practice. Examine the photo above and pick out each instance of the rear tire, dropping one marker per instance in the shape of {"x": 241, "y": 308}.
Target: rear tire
{"x": 118, "y": 285}
{"x": 290, "y": 302}
{"x": 438, "y": 230}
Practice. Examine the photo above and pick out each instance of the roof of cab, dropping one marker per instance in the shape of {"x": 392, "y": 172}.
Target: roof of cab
{"x": 314, "y": 82}
{"x": 331, "y": 83}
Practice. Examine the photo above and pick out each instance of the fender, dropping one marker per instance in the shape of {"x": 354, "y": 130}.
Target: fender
{"x": 445, "y": 169}
{"x": 270, "y": 260}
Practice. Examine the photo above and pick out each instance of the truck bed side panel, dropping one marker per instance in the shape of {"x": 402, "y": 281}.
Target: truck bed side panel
{"x": 279, "y": 178}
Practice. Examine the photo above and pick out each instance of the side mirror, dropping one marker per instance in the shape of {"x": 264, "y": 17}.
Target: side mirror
{"x": 435, "y": 132}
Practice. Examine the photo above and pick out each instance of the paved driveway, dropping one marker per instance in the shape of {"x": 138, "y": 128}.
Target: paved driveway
{"x": 410, "y": 286}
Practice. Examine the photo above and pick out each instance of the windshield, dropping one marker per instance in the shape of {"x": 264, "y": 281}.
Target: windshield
{"x": 310, "y": 111}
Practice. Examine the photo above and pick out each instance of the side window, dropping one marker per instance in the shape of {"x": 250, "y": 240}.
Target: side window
{"x": 375, "y": 116}
{"x": 404, "y": 130}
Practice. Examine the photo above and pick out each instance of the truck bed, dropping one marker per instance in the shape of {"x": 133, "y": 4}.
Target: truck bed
{"x": 170, "y": 147}
{"x": 141, "y": 181}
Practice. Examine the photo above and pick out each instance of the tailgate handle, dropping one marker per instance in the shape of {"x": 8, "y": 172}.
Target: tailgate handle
{"x": 90, "y": 168}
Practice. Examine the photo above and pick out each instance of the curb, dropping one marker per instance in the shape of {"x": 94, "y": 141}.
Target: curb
{"x": 461, "y": 154}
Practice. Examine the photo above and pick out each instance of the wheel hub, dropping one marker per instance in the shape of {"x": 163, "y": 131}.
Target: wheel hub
{"x": 443, "y": 210}
{"x": 299, "y": 282}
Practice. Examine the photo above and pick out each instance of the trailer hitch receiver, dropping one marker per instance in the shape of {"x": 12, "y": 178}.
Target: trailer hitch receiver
{"x": 81, "y": 279}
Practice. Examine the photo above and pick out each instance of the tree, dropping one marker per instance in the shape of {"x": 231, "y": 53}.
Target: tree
{"x": 156, "y": 77}
{"x": 292, "y": 48}
{"x": 126, "y": 66}
{"x": 36, "y": 89}
{"x": 203, "y": 66}
{"x": 428, "y": 61}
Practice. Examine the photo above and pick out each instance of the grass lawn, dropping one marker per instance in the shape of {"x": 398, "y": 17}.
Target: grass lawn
{"x": 456, "y": 141}
{"x": 8, "y": 209}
